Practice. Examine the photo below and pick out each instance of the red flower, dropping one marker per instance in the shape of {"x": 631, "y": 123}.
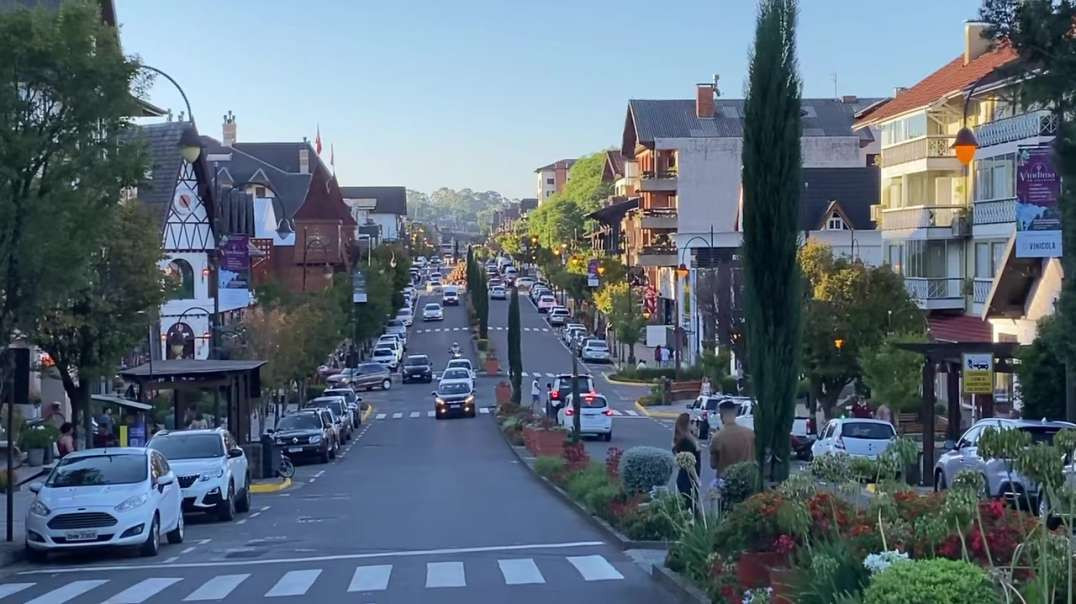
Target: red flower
{"x": 784, "y": 544}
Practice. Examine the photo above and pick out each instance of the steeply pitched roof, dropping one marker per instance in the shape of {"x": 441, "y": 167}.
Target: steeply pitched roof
{"x": 390, "y": 200}
{"x": 614, "y": 212}
{"x": 614, "y": 165}
{"x": 853, "y": 189}
{"x": 284, "y": 156}
{"x": 647, "y": 120}
{"x": 952, "y": 78}
{"x": 560, "y": 163}
{"x": 289, "y": 188}
{"x": 324, "y": 200}
{"x": 162, "y": 148}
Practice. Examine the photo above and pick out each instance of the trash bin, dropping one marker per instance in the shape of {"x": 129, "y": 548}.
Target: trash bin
{"x": 270, "y": 456}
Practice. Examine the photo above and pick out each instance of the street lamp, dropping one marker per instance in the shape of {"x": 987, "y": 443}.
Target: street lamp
{"x": 838, "y": 343}
{"x": 190, "y": 146}
{"x": 682, "y": 272}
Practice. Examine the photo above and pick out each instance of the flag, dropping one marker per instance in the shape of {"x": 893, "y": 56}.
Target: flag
{"x": 317, "y": 141}
{"x": 332, "y": 158}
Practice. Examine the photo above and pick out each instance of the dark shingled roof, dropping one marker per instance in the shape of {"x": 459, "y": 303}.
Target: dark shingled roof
{"x": 566, "y": 163}
{"x": 853, "y": 189}
{"x": 162, "y": 149}
{"x": 390, "y": 200}
{"x": 614, "y": 212}
{"x": 290, "y": 188}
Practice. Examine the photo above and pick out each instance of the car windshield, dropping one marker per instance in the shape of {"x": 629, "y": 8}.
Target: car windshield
{"x": 348, "y": 394}
{"x": 96, "y": 470}
{"x": 396, "y": 323}
{"x": 193, "y": 446}
{"x": 432, "y": 307}
{"x": 597, "y": 344}
{"x": 867, "y": 430}
{"x": 384, "y": 351}
{"x": 371, "y": 368}
{"x": 331, "y": 403}
{"x": 547, "y": 298}
{"x": 585, "y": 384}
{"x": 453, "y": 388}
{"x": 299, "y": 421}
{"x": 456, "y": 374}
{"x": 417, "y": 360}
{"x": 460, "y": 363}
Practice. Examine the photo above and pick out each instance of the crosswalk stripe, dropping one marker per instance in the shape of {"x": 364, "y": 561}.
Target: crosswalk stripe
{"x": 380, "y": 416}
{"x": 484, "y": 410}
{"x": 141, "y": 591}
{"x": 615, "y": 411}
{"x": 430, "y": 414}
{"x": 397, "y": 415}
{"x": 216, "y": 588}
{"x": 67, "y": 592}
{"x": 414, "y": 414}
{"x": 631, "y": 412}
{"x": 523, "y": 373}
{"x": 445, "y": 574}
{"x": 522, "y": 571}
{"x": 371, "y": 578}
{"x": 294, "y": 583}
{"x": 13, "y": 588}
{"x": 594, "y": 568}
{"x": 545, "y": 329}
{"x": 550, "y": 374}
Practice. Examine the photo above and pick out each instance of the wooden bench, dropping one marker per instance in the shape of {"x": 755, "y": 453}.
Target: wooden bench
{"x": 686, "y": 389}
{"x": 909, "y": 424}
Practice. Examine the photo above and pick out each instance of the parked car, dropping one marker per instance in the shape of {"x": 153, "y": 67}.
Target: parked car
{"x": 366, "y": 376}
{"x": 433, "y": 312}
{"x": 458, "y": 373}
{"x": 595, "y": 416}
{"x": 405, "y": 315}
{"x": 341, "y": 415}
{"x": 595, "y": 351}
{"x": 105, "y": 497}
{"x": 417, "y": 368}
{"x": 856, "y": 437}
{"x": 450, "y": 296}
{"x": 396, "y": 326}
{"x": 524, "y": 282}
{"x": 386, "y": 355}
{"x": 212, "y": 470}
{"x": 393, "y": 340}
{"x": 1001, "y": 479}
{"x": 558, "y": 316}
{"x": 454, "y": 397}
{"x": 498, "y": 293}
{"x": 562, "y": 387}
{"x": 353, "y": 400}
{"x": 546, "y": 303}
{"x": 433, "y": 285}
{"x": 305, "y": 434}
{"x": 705, "y": 418}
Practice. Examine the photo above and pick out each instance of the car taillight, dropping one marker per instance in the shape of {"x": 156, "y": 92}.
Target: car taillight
{"x": 555, "y": 395}
{"x": 569, "y": 412}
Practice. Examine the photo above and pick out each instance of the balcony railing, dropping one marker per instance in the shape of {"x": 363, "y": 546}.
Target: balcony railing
{"x": 1017, "y": 127}
{"x": 918, "y": 217}
{"x": 663, "y": 181}
{"x": 657, "y": 255}
{"x": 981, "y": 289}
{"x": 658, "y": 219}
{"x": 925, "y": 290}
{"x": 927, "y": 147}
{"x": 998, "y": 211}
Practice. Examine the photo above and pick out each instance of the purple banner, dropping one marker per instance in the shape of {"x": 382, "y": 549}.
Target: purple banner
{"x": 235, "y": 253}
{"x": 1038, "y": 217}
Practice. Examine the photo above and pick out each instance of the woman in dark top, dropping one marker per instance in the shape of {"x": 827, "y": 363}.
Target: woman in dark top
{"x": 684, "y": 442}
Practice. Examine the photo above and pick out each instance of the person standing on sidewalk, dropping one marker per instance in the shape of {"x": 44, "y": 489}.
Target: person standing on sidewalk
{"x": 666, "y": 357}
{"x": 536, "y": 394}
{"x": 733, "y": 443}
{"x": 657, "y": 356}
{"x": 684, "y": 442}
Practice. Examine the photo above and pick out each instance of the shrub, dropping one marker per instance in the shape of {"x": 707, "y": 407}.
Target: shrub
{"x": 581, "y": 483}
{"x": 643, "y": 468}
{"x": 659, "y": 520}
{"x": 38, "y": 437}
{"x": 829, "y": 572}
{"x": 599, "y": 500}
{"x": 549, "y": 467}
{"x": 929, "y": 581}
{"x": 741, "y": 481}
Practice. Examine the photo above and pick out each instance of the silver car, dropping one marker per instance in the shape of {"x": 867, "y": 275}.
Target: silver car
{"x": 1001, "y": 479}
{"x": 595, "y": 351}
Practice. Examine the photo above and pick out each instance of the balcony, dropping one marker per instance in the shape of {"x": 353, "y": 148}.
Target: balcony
{"x": 1016, "y": 128}
{"x": 981, "y": 289}
{"x": 657, "y": 255}
{"x": 652, "y": 219}
{"x": 930, "y": 293}
{"x": 998, "y": 211}
{"x": 927, "y": 147}
{"x": 658, "y": 182}
{"x": 920, "y": 217}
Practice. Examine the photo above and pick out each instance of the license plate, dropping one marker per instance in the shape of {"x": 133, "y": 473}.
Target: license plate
{"x": 295, "y": 449}
{"x": 81, "y": 535}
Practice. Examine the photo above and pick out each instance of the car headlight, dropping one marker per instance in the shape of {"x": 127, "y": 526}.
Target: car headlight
{"x": 39, "y": 509}
{"x": 315, "y": 439}
{"x": 132, "y": 502}
{"x": 210, "y": 475}
{"x": 469, "y": 399}
{"x": 440, "y": 401}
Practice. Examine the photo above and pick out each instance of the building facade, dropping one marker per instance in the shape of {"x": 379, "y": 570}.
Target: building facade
{"x": 552, "y": 178}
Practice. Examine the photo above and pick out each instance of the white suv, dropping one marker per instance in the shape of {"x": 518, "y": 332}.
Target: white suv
{"x": 211, "y": 470}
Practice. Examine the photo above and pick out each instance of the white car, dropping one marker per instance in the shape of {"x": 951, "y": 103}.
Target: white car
{"x": 433, "y": 312}
{"x": 385, "y": 354}
{"x": 595, "y": 415}
{"x": 497, "y": 293}
{"x": 455, "y": 374}
{"x": 211, "y": 469}
{"x": 524, "y": 282}
{"x": 406, "y": 315}
{"x": 546, "y": 302}
{"x": 462, "y": 363}
{"x": 857, "y": 437}
{"x": 596, "y": 351}
{"x": 558, "y": 316}
{"x": 394, "y": 341}
{"x": 396, "y": 326}
{"x": 125, "y": 496}
{"x": 433, "y": 285}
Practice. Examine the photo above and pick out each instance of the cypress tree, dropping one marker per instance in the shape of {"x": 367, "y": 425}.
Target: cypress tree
{"x": 515, "y": 356}
{"x": 482, "y": 301}
{"x": 771, "y": 188}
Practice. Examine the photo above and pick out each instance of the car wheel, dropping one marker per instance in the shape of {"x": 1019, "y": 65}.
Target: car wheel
{"x": 36, "y": 555}
{"x": 152, "y": 546}
{"x": 608, "y": 436}
{"x": 176, "y": 535}
{"x": 243, "y": 505}
{"x": 386, "y": 384}
{"x": 939, "y": 481}
{"x": 226, "y": 510}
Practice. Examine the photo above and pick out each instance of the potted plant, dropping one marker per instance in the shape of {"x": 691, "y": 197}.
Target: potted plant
{"x": 36, "y": 440}
{"x": 504, "y": 392}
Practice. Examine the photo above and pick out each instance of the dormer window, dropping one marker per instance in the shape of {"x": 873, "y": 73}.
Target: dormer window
{"x": 836, "y": 223}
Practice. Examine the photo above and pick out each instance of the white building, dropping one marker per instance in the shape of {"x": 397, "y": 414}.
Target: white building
{"x": 552, "y": 178}
{"x": 385, "y": 207}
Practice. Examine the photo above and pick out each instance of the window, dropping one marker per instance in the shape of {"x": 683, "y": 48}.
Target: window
{"x": 835, "y": 223}
{"x": 259, "y": 191}
{"x": 899, "y": 131}
{"x": 995, "y": 177}
{"x": 971, "y": 437}
{"x": 549, "y": 193}
{"x": 550, "y": 181}
{"x": 983, "y": 261}
{"x": 179, "y": 271}
{"x": 895, "y": 258}
{"x": 998, "y": 253}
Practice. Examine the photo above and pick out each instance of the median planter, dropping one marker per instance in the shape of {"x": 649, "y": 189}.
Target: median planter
{"x": 781, "y": 579}
{"x": 493, "y": 366}
{"x": 753, "y": 568}
{"x": 541, "y": 442}
{"x": 504, "y": 393}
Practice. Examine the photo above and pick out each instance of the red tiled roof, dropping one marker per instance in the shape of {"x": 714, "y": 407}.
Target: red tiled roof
{"x": 960, "y": 328}
{"x": 953, "y": 77}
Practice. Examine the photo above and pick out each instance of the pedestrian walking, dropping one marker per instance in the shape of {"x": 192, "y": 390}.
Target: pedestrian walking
{"x": 666, "y": 357}
{"x": 684, "y": 442}
{"x": 657, "y": 356}
{"x": 705, "y": 389}
{"x": 550, "y": 410}
{"x": 733, "y": 443}
{"x": 536, "y": 393}
{"x": 199, "y": 423}
{"x": 66, "y": 443}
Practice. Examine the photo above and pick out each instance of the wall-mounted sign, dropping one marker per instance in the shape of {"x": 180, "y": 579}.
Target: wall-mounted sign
{"x": 1038, "y": 217}
{"x": 233, "y": 268}
{"x": 978, "y": 373}
{"x": 592, "y": 273}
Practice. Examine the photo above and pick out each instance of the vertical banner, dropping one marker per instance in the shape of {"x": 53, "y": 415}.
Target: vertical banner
{"x": 234, "y": 270}
{"x": 978, "y": 370}
{"x": 592, "y": 273}
{"x": 358, "y": 287}
{"x": 1038, "y": 218}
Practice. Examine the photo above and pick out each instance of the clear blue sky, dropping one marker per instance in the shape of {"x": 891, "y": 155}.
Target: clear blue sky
{"x": 478, "y": 93}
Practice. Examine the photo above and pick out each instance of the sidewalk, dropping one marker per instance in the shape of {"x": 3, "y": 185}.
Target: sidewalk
{"x": 12, "y": 552}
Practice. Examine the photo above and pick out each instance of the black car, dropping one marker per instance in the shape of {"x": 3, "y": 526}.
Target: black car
{"x": 417, "y": 368}
{"x": 305, "y": 434}
{"x": 454, "y": 397}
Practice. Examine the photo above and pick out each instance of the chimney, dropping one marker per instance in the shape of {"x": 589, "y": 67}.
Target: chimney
{"x": 849, "y": 99}
{"x": 704, "y": 100}
{"x": 228, "y": 134}
{"x": 304, "y": 160}
{"x": 975, "y": 41}
{"x": 899, "y": 90}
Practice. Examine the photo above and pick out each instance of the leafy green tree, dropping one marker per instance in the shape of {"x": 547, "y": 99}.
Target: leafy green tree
{"x": 65, "y": 156}
{"x": 1040, "y": 31}
{"x": 771, "y": 188}
{"x": 894, "y": 375}
{"x": 1041, "y": 371}
{"x": 557, "y": 221}
{"x": 618, "y": 303}
{"x": 515, "y": 351}
{"x": 584, "y": 185}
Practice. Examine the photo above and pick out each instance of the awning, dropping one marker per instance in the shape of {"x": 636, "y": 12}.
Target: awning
{"x": 122, "y": 402}
{"x": 959, "y": 328}
{"x": 1012, "y": 285}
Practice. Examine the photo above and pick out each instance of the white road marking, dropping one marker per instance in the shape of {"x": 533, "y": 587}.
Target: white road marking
{"x": 430, "y": 414}
{"x": 294, "y": 583}
{"x": 13, "y": 588}
{"x": 523, "y": 373}
{"x": 371, "y": 578}
{"x": 255, "y": 515}
{"x": 550, "y": 374}
{"x": 171, "y": 559}
{"x": 141, "y": 591}
{"x": 380, "y": 416}
{"x": 445, "y": 574}
{"x": 204, "y": 541}
{"x": 67, "y": 592}
{"x": 614, "y": 411}
{"x": 545, "y": 329}
{"x": 216, "y": 588}
{"x": 364, "y": 556}
{"x": 244, "y": 521}
{"x": 521, "y": 571}
{"x": 631, "y": 412}
{"x": 187, "y": 550}
{"x": 264, "y": 508}
{"x": 484, "y": 410}
{"x": 397, "y": 415}
{"x": 594, "y": 568}
{"x": 414, "y": 414}
{"x": 319, "y": 473}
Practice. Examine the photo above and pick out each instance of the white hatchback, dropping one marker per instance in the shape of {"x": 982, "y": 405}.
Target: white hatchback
{"x": 105, "y": 497}
{"x": 856, "y": 437}
{"x": 595, "y": 416}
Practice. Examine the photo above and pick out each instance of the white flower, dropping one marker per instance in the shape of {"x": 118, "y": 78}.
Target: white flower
{"x": 876, "y": 563}
{"x": 758, "y": 596}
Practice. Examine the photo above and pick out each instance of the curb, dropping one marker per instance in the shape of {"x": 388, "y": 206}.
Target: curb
{"x": 684, "y": 590}
{"x": 615, "y": 536}
{"x": 270, "y": 487}
{"x": 13, "y": 555}
{"x": 606, "y": 374}
{"x": 659, "y": 414}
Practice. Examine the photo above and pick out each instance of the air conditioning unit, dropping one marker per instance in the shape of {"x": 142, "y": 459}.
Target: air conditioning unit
{"x": 960, "y": 226}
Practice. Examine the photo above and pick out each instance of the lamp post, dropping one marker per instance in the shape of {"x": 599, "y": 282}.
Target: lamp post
{"x": 682, "y": 272}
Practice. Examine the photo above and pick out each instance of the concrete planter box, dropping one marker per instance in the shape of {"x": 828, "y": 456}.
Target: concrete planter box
{"x": 504, "y": 393}
{"x": 544, "y": 442}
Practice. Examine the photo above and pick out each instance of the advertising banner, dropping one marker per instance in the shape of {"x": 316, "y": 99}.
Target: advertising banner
{"x": 233, "y": 269}
{"x": 978, "y": 373}
{"x": 1038, "y": 217}
{"x": 592, "y": 273}
{"x": 358, "y": 287}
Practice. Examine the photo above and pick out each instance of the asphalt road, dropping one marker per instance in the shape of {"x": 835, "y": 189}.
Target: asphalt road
{"x": 415, "y": 509}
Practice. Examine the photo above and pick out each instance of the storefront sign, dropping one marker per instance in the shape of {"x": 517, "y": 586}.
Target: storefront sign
{"x": 592, "y": 273}
{"x": 978, "y": 373}
{"x": 1038, "y": 217}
